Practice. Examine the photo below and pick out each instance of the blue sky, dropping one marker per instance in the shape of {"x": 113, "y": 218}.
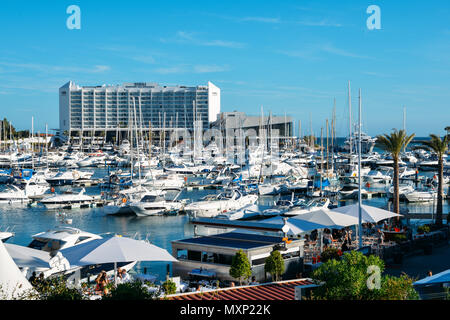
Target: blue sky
{"x": 292, "y": 57}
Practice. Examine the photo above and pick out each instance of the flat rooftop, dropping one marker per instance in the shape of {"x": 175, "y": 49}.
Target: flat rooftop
{"x": 234, "y": 240}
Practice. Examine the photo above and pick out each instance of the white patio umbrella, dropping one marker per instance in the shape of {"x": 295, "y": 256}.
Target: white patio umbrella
{"x": 368, "y": 213}
{"x": 13, "y": 284}
{"x": 296, "y": 226}
{"x": 326, "y": 218}
{"x": 115, "y": 249}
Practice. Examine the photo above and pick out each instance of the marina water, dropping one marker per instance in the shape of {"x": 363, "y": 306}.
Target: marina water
{"x": 160, "y": 230}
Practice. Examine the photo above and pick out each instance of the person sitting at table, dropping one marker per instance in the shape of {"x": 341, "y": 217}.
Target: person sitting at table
{"x": 125, "y": 276}
{"x": 119, "y": 274}
{"x": 102, "y": 283}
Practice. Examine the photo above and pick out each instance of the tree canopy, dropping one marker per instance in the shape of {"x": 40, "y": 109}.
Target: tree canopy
{"x": 359, "y": 277}
{"x": 240, "y": 267}
{"x": 274, "y": 265}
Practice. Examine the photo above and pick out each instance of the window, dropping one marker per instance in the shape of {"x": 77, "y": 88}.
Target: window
{"x": 81, "y": 239}
{"x": 181, "y": 254}
{"x": 194, "y": 255}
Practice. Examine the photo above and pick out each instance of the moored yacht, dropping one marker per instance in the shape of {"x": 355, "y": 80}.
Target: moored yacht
{"x": 54, "y": 240}
{"x": 153, "y": 203}
{"x": 421, "y": 196}
{"x": 214, "y": 204}
{"x": 12, "y": 194}
{"x": 68, "y": 200}
{"x": 68, "y": 177}
{"x": 310, "y": 206}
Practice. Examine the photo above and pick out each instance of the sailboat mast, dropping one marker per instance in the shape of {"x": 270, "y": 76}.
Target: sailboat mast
{"x": 359, "y": 176}
{"x": 310, "y": 125}
{"x": 327, "y": 145}
{"x": 350, "y": 118}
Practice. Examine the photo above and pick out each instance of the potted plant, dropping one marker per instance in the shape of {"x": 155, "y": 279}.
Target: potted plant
{"x": 423, "y": 229}
{"x": 398, "y": 238}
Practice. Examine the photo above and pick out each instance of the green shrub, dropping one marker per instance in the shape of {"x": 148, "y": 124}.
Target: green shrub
{"x": 423, "y": 229}
{"x": 169, "y": 287}
{"x": 399, "y": 238}
{"x": 56, "y": 289}
{"x": 134, "y": 290}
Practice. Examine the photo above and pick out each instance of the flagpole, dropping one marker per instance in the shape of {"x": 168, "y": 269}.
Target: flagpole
{"x": 359, "y": 177}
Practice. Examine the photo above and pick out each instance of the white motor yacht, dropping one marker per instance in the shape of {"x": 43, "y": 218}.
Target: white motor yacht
{"x": 153, "y": 203}
{"x": 12, "y": 194}
{"x": 165, "y": 181}
{"x": 421, "y": 196}
{"x": 403, "y": 189}
{"x": 269, "y": 189}
{"x": 54, "y": 240}
{"x": 310, "y": 206}
{"x": 93, "y": 160}
{"x": 62, "y": 178}
{"x": 68, "y": 200}
{"x": 212, "y": 205}
{"x": 405, "y": 172}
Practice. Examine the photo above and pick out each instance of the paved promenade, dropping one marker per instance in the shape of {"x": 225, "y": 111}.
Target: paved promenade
{"x": 419, "y": 265}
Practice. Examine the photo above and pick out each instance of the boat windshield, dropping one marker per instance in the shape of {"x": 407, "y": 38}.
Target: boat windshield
{"x": 151, "y": 198}
{"x": 47, "y": 244}
{"x": 225, "y": 196}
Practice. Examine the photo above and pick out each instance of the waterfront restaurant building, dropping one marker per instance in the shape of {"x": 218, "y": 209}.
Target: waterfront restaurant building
{"x": 110, "y": 108}
{"x": 211, "y": 256}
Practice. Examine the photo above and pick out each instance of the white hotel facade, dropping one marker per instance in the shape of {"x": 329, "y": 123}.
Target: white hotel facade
{"x": 109, "y": 108}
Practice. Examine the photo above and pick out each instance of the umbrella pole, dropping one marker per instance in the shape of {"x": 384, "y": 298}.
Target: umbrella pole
{"x": 115, "y": 273}
{"x": 359, "y": 178}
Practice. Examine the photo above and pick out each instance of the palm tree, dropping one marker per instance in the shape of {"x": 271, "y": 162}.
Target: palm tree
{"x": 439, "y": 146}
{"x": 394, "y": 144}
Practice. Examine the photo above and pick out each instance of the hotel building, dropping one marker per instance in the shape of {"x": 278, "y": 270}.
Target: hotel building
{"x": 110, "y": 108}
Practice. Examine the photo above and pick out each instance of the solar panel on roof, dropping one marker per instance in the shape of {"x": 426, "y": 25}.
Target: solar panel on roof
{"x": 235, "y": 240}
